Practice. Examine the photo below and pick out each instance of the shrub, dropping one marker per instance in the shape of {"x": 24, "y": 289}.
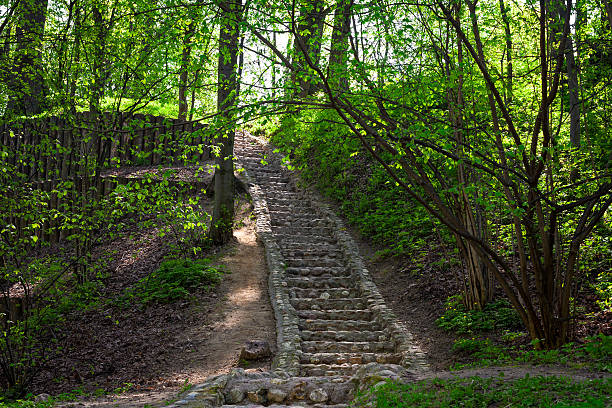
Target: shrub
{"x": 176, "y": 279}
{"x": 495, "y": 315}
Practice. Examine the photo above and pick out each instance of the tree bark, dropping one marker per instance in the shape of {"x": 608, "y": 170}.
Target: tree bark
{"x": 307, "y": 40}
{"x": 99, "y": 71}
{"x": 508, "y": 34}
{"x": 184, "y": 72}
{"x": 337, "y": 75}
{"x": 223, "y": 211}
{"x": 26, "y": 83}
{"x": 573, "y": 86}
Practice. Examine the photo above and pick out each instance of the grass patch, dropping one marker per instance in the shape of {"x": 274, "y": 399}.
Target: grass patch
{"x": 495, "y": 315}
{"x": 559, "y": 392}
{"x": 174, "y": 280}
{"x": 595, "y": 354}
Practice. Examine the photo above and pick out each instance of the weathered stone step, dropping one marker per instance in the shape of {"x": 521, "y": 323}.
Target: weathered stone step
{"x": 270, "y": 175}
{"x": 295, "y": 216}
{"x": 347, "y": 346}
{"x": 308, "y": 231}
{"x": 337, "y": 272}
{"x": 287, "y": 195}
{"x": 329, "y": 370}
{"x": 329, "y": 304}
{"x": 338, "y": 324}
{"x": 302, "y": 240}
{"x": 324, "y": 251}
{"x": 284, "y": 199}
{"x": 288, "y": 245}
{"x": 320, "y": 282}
{"x": 357, "y": 314}
{"x": 286, "y": 406}
{"x": 330, "y": 293}
{"x": 314, "y": 262}
{"x": 350, "y": 358}
{"x": 343, "y": 335}
{"x": 298, "y": 213}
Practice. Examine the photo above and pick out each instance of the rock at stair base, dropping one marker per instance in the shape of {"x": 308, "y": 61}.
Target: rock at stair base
{"x": 255, "y": 350}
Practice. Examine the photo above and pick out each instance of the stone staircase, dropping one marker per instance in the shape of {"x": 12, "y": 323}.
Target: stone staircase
{"x": 333, "y": 327}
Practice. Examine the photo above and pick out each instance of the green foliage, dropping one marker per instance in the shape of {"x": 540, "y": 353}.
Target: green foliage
{"x": 595, "y": 353}
{"x": 327, "y": 154}
{"x": 176, "y": 279}
{"x": 496, "y": 315}
{"x": 476, "y": 392}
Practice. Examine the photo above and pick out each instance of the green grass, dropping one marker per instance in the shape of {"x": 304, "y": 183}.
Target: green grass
{"x": 175, "y": 279}
{"x": 476, "y": 392}
{"x": 495, "y": 315}
{"x": 594, "y": 354}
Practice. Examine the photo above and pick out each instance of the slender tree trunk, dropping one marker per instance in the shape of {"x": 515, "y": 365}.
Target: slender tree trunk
{"x": 99, "y": 71}
{"x": 337, "y": 75}
{"x": 26, "y": 84}
{"x": 608, "y": 6}
{"x": 307, "y": 41}
{"x": 223, "y": 211}
{"x": 478, "y": 288}
{"x": 184, "y": 72}
{"x": 572, "y": 85}
{"x": 509, "y": 53}
{"x": 479, "y": 48}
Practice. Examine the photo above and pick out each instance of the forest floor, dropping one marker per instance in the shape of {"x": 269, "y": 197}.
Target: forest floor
{"x": 147, "y": 356}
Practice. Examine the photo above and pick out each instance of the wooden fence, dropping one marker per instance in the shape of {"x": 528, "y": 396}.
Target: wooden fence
{"x": 58, "y": 146}
{"x": 57, "y": 149}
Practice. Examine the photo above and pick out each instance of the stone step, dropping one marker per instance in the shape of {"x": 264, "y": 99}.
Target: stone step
{"x": 350, "y": 358}
{"x": 316, "y": 282}
{"x": 289, "y": 201}
{"x": 308, "y": 231}
{"x": 329, "y": 304}
{"x": 314, "y": 252}
{"x": 358, "y": 336}
{"x": 338, "y": 325}
{"x": 288, "y": 245}
{"x": 318, "y": 271}
{"x": 314, "y": 262}
{"x": 356, "y": 314}
{"x": 301, "y": 405}
{"x": 328, "y": 370}
{"x": 330, "y": 293}
{"x": 299, "y": 213}
{"x": 302, "y": 240}
{"x": 286, "y": 195}
{"x": 270, "y": 176}
{"x": 312, "y": 346}
{"x": 296, "y": 216}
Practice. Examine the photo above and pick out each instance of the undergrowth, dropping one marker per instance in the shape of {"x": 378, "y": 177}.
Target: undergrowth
{"x": 175, "y": 279}
{"x": 595, "y": 353}
{"x": 327, "y": 155}
{"x": 528, "y": 392}
{"x": 498, "y": 314}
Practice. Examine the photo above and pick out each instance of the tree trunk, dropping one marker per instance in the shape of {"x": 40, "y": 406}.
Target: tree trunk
{"x": 184, "y": 72}
{"x": 478, "y": 284}
{"x": 223, "y": 211}
{"x": 337, "y": 75}
{"x": 26, "y": 84}
{"x": 97, "y": 87}
{"x": 508, "y": 34}
{"x": 573, "y": 86}
{"x": 608, "y": 6}
{"x": 307, "y": 41}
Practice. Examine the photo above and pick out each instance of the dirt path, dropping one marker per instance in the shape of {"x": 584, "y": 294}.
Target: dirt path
{"x": 212, "y": 345}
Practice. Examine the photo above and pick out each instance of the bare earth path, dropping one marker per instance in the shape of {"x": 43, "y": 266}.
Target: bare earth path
{"x": 242, "y": 313}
